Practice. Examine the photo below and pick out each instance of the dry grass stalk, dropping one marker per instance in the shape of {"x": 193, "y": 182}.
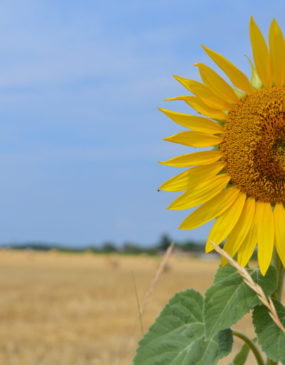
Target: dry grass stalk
{"x": 161, "y": 268}
{"x": 267, "y": 302}
{"x": 157, "y": 275}
{"x": 138, "y": 304}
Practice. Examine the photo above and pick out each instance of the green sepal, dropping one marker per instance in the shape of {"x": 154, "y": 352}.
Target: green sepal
{"x": 239, "y": 93}
{"x": 255, "y": 80}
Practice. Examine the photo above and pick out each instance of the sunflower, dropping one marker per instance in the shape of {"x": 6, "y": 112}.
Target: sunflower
{"x": 240, "y": 182}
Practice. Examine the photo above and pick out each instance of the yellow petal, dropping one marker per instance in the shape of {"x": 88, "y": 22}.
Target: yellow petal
{"x": 241, "y": 229}
{"x": 204, "y": 93}
{"x": 194, "y": 159}
{"x": 201, "y": 193}
{"x": 199, "y": 124}
{"x": 279, "y": 225}
{"x": 194, "y": 139}
{"x": 238, "y": 78}
{"x": 212, "y": 209}
{"x": 277, "y": 53}
{"x": 260, "y": 54}
{"x": 217, "y": 84}
{"x": 197, "y": 104}
{"x": 247, "y": 248}
{"x": 225, "y": 223}
{"x": 189, "y": 178}
{"x": 265, "y": 234}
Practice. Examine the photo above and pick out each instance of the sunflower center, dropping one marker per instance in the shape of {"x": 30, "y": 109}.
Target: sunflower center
{"x": 254, "y": 145}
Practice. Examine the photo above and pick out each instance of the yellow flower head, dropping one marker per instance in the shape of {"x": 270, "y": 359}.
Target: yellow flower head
{"x": 241, "y": 181}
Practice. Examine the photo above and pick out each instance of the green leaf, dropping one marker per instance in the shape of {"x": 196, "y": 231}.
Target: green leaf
{"x": 269, "y": 336}
{"x": 178, "y": 336}
{"x": 241, "y": 357}
{"x": 229, "y": 299}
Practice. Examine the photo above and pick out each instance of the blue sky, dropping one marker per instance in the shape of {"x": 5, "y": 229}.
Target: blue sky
{"x": 80, "y": 135}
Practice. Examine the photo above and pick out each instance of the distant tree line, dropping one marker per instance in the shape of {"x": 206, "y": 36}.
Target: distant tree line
{"x": 108, "y": 247}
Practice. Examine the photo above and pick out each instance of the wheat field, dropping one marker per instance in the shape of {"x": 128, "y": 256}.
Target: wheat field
{"x": 82, "y": 309}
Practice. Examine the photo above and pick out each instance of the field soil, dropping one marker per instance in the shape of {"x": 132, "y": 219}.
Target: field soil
{"x": 83, "y": 309}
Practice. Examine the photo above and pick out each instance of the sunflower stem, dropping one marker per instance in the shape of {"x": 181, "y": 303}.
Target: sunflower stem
{"x": 251, "y": 345}
{"x": 280, "y": 276}
{"x": 278, "y": 291}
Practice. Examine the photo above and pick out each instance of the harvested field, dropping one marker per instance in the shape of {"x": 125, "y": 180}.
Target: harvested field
{"x": 81, "y": 309}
